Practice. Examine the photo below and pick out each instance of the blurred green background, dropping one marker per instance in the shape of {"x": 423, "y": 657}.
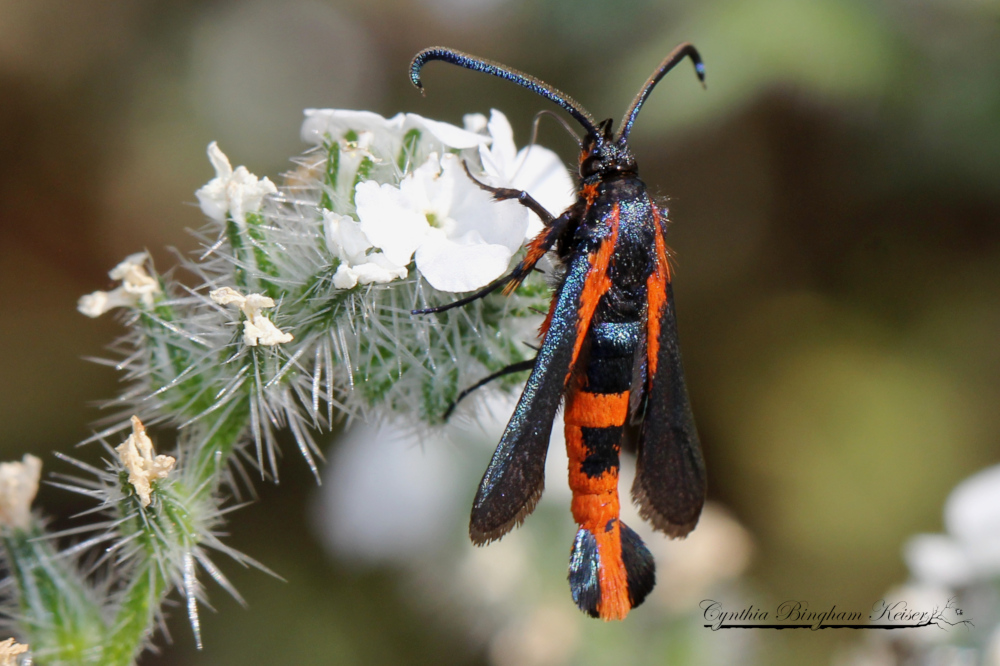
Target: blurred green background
{"x": 835, "y": 198}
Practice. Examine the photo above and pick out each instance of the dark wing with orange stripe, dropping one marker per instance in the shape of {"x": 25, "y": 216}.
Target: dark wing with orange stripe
{"x": 514, "y": 481}
{"x": 669, "y": 483}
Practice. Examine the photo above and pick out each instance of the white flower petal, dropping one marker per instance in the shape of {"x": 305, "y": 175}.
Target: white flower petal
{"x": 136, "y": 455}
{"x": 227, "y": 295}
{"x": 535, "y": 169}
{"x": 985, "y": 556}
{"x": 498, "y": 158}
{"x": 347, "y": 241}
{"x": 128, "y": 266}
{"x": 451, "y": 266}
{"x": 378, "y": 272}
{"x": 231, "y": 192}
{"x": 474, "y": 122}
{"x": 257, "y": 302}
{"x": 223, "y": 169}
{"x": 473, "y": 209}
{"x": 212, "y": 197}
{"x": 430, "y": 189}
{"x": 246, "y": 193}
{"x": 395, "y": 271}
{"x": 10, "y": 650}
{"x": 395, "y": 229}
{"x": 320, "y": 123}
{"x": 259, "y": 330}
{"x": 502, "y": 149}
{"x": 135, "y": 280}
{"x": 542, "y": 173}
{"x": 18, "y": 487}
{"x": 94, "y": 304}
{"x": 448, "y": 134}
{"x": 137, "y": 286}
{"x": 344, "y": 237}
{"x": 345, "y": 277}
{"x": 99, "y": 302}
{"x": 387, "y": 134}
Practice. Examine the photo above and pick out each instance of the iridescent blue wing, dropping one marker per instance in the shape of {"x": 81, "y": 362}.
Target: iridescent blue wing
{"x": 515, "y": 478}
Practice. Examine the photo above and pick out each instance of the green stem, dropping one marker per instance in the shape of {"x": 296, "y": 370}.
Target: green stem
{"x": 61, "y": 617}
{"x": 224, "y": 432}
{"x": 263, "y": 263}
{"x": 168, "y": 520}
{"x": 235, "y": 236}
{"x": 330, "y": 174}
{"x": 134, "y": 620}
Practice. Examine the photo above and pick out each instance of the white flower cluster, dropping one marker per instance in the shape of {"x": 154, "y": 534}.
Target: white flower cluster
{"x": 382, "y": 216}
{"x": 329, "y": 256}
{"x": 435, "y": 215}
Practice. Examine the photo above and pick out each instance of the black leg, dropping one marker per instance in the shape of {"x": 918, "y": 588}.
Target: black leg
{"x": 520, "y": 366}
{"x": 488, "y": 289}
{"x": 522, "y": 197}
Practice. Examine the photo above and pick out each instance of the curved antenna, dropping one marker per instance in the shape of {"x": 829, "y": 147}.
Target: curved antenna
{"x": 685, "y": 50}
{"x": 501, "y": 71}
{"x": 559, "y": 119}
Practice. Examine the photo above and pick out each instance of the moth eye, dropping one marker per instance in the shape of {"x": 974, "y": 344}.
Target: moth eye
{"x": 590, "y": 166}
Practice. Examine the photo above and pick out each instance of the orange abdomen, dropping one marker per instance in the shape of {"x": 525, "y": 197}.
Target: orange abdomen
{"x": 593, "y": 441}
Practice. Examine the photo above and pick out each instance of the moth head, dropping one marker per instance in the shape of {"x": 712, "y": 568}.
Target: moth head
{"x": 601, "y": 156}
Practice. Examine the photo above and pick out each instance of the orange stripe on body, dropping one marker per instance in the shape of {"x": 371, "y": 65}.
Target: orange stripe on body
{"x": 656, "y": 294}
{"x": 596, "y": 505}
{"x": 614, "y": 603}
{"x": 596, "y": 410}
{"x": 596, "y": 285}
{"x": 536, "y": 250}
{"x": 595, "y": 499}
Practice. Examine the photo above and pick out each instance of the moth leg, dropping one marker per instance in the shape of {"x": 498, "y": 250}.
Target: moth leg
{"x": 520, "y": 366}
{"x": 507, "y": 193}
{"x": 485, "y": 291}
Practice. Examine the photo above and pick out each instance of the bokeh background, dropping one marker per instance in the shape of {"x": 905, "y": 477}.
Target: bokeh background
{"x": 835, "y": 197}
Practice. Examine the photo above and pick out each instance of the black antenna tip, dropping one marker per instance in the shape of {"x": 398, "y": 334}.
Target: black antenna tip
{"x": 415, "y": 78}
{"x": 699, "y": 69}
{"x": 416, "y": 65}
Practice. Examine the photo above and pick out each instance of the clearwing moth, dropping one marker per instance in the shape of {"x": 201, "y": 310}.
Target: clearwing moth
{"x": 609, "y": 351}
